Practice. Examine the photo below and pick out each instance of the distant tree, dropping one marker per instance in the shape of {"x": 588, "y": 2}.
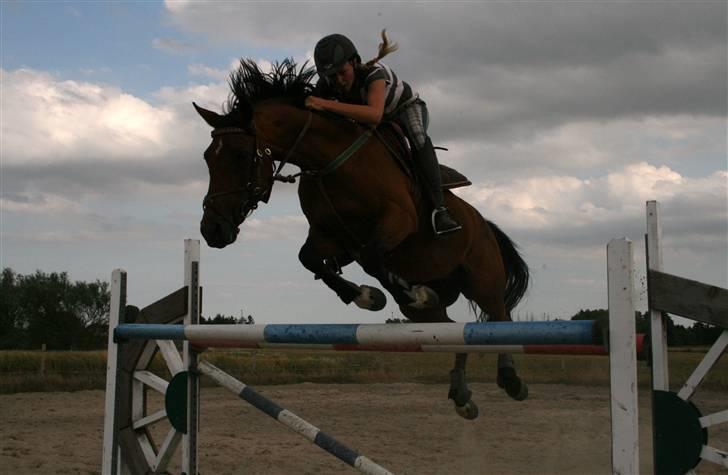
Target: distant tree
{"x": 48, "y": 308}
{"x": 697, "y": 334}
{"x": 219, "y": 319}
{"x": 11, "y": 331}
{"x": 706, "y": 334}
{"x": 397, "y": 320}
{"x": 596, "y": 314}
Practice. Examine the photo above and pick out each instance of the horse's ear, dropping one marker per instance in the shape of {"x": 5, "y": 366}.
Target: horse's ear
{"x": 213, "y": 119}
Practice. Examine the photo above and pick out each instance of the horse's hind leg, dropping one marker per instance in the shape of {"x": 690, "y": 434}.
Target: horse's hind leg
{"x": 508, "y": 379}
{"x": 484, "y": 291}
{"x": 458, "y": 392}
{"x": 416, "y": 296}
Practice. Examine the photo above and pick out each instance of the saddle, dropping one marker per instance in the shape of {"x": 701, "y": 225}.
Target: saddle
{"x": 394, "y": 138}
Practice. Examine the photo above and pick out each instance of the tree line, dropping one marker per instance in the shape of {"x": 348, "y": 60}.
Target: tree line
{"x": 48, "y": 309}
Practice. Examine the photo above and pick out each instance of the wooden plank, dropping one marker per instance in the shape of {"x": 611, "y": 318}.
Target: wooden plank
{"x": 166, "y": 451}
{"x": 150, "y": 419}
{"x": 714, "y": 455}
{"x": 110, "y": 462}
{"x": 688, "y": 298}
{"x": 171, "y": 356}
{"x": 658, "y": 328}
{"x": 622, "y": 358}
{"x": 709, "y": 360}
{"x": 166, "y": 309}
{"x": 132, "y": 455}
{"x": 189, "y": 357}
{"x": 714, "y": 419}
{"x": 152, "y": 380}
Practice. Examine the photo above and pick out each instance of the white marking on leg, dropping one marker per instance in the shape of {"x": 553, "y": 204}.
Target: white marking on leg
{"x": 364, "y": 299}
{"x": 422, "y": 297}
{"x": 505, "y": 360}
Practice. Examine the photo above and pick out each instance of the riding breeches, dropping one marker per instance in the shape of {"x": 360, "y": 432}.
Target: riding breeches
{"x": 415, "y": 119}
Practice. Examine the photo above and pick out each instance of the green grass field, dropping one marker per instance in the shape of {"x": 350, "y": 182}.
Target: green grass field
{"x": 26, "y": 371}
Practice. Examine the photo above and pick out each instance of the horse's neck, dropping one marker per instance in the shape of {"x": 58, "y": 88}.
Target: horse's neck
{"x": 327, "y": 141}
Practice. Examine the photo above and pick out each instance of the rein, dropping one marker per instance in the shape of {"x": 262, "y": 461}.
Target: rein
{"x": 346, "y": 154}
{"x": 250, "y": 203}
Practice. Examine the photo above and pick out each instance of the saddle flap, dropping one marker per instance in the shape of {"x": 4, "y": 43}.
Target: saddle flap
{"x": 394, "y": 138}
{"x": 452, "y": 178}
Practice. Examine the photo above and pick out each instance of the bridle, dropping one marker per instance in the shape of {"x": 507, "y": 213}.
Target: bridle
{"x": 254, "y": 190}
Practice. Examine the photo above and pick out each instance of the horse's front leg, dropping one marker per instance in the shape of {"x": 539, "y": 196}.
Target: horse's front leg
{"x": 363, "y": 296}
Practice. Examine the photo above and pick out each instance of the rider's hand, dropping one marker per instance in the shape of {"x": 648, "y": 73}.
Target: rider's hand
{"x": 314, "y": 103}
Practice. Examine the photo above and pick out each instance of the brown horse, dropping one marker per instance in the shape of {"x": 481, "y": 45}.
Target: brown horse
{"x": 361, "y": 207}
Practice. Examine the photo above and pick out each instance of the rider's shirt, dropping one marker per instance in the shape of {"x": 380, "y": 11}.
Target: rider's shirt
{"x": 396, "y": 91}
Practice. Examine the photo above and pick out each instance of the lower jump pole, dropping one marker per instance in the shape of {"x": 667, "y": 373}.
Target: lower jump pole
{"x": 596, "y": 350}
{"x": 292, "y": 421}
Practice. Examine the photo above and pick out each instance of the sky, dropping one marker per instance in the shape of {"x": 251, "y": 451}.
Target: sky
{"x": 566, "y": 116}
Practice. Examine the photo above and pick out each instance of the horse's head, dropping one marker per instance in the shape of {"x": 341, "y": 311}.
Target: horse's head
{"x": 241, "y": 176}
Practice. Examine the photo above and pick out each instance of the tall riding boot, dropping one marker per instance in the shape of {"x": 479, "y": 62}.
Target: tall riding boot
{"x": 442, "y": 222}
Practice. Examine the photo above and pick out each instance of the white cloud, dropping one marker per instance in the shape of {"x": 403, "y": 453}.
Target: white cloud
{"x": 207, "y": 71}
{"x": 566, "y": 202}
{"x": 692, "y": 146}
{"x": 641, "y": 181}
{"x": 48, "y": 120}
{"x": 274, "y": 228}
{"x": 38, "y": 203}
{"x": 51, "y": 121}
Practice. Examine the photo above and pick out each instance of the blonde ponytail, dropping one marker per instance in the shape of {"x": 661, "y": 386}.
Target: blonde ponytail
{"x": 385, "y": 47}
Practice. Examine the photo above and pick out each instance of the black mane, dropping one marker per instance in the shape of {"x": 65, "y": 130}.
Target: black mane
{"x": 249, "y": 85}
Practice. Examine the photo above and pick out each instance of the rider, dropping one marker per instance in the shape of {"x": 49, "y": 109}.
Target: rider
{"x": 368, "y": 93}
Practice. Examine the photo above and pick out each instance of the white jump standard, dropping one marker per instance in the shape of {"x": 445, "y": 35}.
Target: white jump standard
{"x": 680, "y": 443}
{"x": 128, "y": 445}
{"x": 130, "y": 449}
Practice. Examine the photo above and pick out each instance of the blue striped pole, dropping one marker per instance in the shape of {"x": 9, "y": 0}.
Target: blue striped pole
{"x": 292, "y": 421}
{"x": 581, "y": 332}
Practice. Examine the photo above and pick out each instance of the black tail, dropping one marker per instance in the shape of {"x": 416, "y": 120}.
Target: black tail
{"x": 517, "y": 273}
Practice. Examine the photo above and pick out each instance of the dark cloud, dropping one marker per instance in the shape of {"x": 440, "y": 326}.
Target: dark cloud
{"x": 515, "y": 66}
{"x": 81, "y": 177}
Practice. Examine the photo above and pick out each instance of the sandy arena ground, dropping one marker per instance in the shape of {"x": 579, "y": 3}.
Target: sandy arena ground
{"x": 407, "y": 428}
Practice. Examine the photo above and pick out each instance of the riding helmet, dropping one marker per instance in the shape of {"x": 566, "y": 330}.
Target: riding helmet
{"x": 332, "y": 52}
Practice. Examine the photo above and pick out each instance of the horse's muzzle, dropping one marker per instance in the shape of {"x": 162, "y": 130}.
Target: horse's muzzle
{"x": 217, "y": 233}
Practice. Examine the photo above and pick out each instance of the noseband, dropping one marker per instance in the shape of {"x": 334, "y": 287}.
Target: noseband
{"x": 256, "y": 191}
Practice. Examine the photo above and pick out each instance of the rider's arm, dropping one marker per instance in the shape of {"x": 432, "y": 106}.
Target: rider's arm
{"x": 371, "y": 113}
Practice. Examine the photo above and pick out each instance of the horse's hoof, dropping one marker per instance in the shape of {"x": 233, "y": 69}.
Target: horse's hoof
{"x": 467, "y": 411}
{"x": 422, "y": 297}
{"x": 515, "y": 387}
{"x": 370, "y": 298}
